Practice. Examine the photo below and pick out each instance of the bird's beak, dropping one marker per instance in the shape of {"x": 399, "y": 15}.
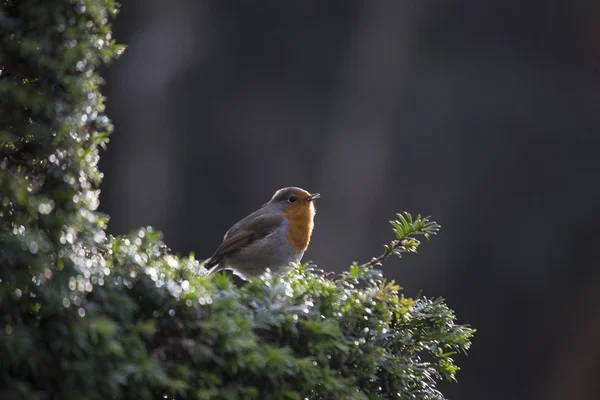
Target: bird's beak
{"x": 313, "y": 196}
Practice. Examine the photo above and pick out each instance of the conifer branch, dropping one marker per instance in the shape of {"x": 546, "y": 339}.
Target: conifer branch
{"x": 405, "y": 229}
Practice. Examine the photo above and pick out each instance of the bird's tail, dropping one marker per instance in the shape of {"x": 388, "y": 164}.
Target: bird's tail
{"x": 213, "y": 265}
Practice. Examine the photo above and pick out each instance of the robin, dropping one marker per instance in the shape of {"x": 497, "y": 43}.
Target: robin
{"x": 271, "y": 237}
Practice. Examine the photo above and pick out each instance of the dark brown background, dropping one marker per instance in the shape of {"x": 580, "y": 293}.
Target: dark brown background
{"x": 485, "y": 115}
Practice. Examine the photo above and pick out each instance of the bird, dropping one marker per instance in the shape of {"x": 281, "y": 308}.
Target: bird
{"x": 271, "y": 237}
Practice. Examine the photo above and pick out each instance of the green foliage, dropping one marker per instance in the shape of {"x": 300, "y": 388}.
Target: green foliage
{"x": 405, "y": 242}
{"x": 84, "y": 315}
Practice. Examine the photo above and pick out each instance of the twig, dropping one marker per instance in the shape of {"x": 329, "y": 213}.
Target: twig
{"x": 404, "y": 228}
{"x": 378, "y": 260}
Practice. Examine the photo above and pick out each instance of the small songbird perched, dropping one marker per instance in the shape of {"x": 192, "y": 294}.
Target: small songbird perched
{"x": 271, "y": 237}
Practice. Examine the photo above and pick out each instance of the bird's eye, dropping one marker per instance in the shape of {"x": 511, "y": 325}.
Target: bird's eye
{"x": 292, "y": 199}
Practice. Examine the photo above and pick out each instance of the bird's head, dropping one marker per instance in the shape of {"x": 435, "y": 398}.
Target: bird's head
{"x": 294, "y": 201}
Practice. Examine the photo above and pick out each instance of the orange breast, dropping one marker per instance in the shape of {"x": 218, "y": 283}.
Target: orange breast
{"x": 300, "y": 227}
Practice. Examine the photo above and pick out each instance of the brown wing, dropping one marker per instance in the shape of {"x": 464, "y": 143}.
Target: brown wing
{"x": 233, "y": 242}
{"x": 255, "y": 226}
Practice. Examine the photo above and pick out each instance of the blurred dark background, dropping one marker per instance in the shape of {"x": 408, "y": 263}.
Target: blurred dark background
{"x": 485, "y": 115}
